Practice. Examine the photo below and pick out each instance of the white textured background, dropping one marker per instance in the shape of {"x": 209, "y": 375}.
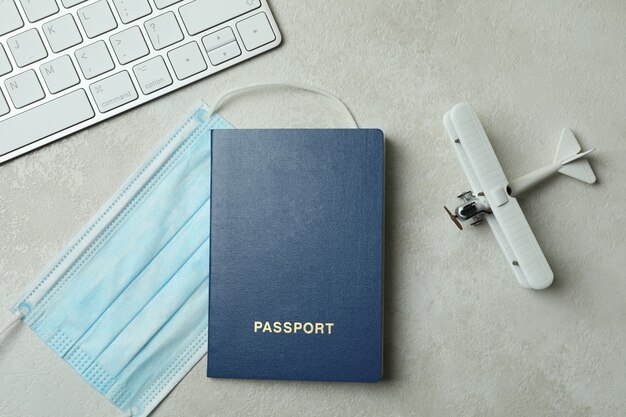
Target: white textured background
{"x": 462, "y": 338}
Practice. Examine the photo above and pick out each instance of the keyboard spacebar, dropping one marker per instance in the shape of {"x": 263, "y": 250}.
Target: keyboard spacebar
{"x": 44, "y": 120}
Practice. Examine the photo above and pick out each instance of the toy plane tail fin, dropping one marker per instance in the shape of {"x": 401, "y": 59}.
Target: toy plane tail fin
{"x": 574, "y": 164}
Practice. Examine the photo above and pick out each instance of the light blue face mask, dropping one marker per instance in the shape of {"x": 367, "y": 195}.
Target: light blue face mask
{"x": 125, "y": 304}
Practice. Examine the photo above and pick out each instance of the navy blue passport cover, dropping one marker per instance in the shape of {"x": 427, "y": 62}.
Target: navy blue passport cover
{"x": 296, "y": 237}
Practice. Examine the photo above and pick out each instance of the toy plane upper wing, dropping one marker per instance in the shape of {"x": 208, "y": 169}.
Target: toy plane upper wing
{"x": 486, "y": 177}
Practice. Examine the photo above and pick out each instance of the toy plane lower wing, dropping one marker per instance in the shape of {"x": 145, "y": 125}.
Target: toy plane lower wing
{"x": 487, "y": 181}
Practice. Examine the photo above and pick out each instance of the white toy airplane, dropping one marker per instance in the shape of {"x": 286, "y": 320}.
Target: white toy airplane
{"x": 492, "y": 197}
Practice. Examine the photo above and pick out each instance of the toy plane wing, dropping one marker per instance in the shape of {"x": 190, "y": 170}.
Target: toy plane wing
{"x": 487, "y": 179}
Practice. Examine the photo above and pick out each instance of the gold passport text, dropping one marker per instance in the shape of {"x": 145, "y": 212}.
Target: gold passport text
{"x": 293, "y": 327}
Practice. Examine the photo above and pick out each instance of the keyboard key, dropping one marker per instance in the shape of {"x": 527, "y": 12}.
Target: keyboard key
{"x": 38, "y": 9}
{"x": 24, "y": 89}
{"x": 97, "y": 18}
{"x": 221, "y": 46}
{"x": 44, "y": 120}
{"x": 162, "y": 4}
{"x": 59, "y": 74}
{"x": 131, "y": 10}
{"x": 94, "y": 59}
{"x": 201, "y": 15}
{"x": 163, "y": 30}
{"x": 216, "y": 39}
{"x": 187, "y": 60}
{"x": 62, "y": 33}
{"x": 129, "y": 45}
{"x": 152, "y": 75}
{"x": 113, "y": 92}
{"x": 5, "y": 65}
{"x": 4, "y": 106}
{"x": 72, "y": 3}
{"x": 256, "y": 31}
{"x": 11, "y": 18}
{"x": 224, "y": 53}
{"x": 27, "y": 47}
{"x": 72, "y": 69}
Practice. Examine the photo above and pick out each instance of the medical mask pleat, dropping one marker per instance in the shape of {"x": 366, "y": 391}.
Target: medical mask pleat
{"x": 140, "y": 382}
{"x": 150, "y": 227}
{"x": 141, "y": 291}
{"x": 150, "y": 320}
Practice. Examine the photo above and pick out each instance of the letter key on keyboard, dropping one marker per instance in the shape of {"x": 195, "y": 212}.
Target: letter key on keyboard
{"x": 11, "y": 18}
{"x": 59, "y": 74}
{"x": 62, "y": 33}
{"x": 97, "y": 18}
{"x": 27, "y": 47}
{"x": 24, "y": 89}
{"x": 38, "y": 9}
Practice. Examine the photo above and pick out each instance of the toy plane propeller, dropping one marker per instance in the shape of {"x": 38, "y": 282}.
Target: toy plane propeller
{"x": 493, "y": 197}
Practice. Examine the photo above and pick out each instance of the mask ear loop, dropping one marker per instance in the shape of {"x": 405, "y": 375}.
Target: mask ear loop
{"x": 296, "y": 86}
{"x": 16, "y": 317}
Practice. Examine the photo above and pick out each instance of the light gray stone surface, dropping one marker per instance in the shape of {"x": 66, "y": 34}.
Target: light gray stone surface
{"x": 462, "y": 338}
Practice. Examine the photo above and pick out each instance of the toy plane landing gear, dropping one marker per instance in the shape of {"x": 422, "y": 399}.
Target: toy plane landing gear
{"x": 493, "y": 197}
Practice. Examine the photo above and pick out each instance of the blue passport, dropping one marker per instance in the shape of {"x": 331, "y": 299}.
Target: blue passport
{"x": 296, "y": 270}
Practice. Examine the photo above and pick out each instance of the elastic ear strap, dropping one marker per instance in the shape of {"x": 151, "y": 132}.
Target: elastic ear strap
{"x": 16, "y": 317}
{"x": 295, "y": 86}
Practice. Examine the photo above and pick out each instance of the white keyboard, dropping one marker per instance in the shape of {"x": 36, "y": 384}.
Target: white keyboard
{"x": 68, "y": 64}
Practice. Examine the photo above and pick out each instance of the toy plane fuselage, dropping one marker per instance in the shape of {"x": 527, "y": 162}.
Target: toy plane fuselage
{"x": 492, "y": 196}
